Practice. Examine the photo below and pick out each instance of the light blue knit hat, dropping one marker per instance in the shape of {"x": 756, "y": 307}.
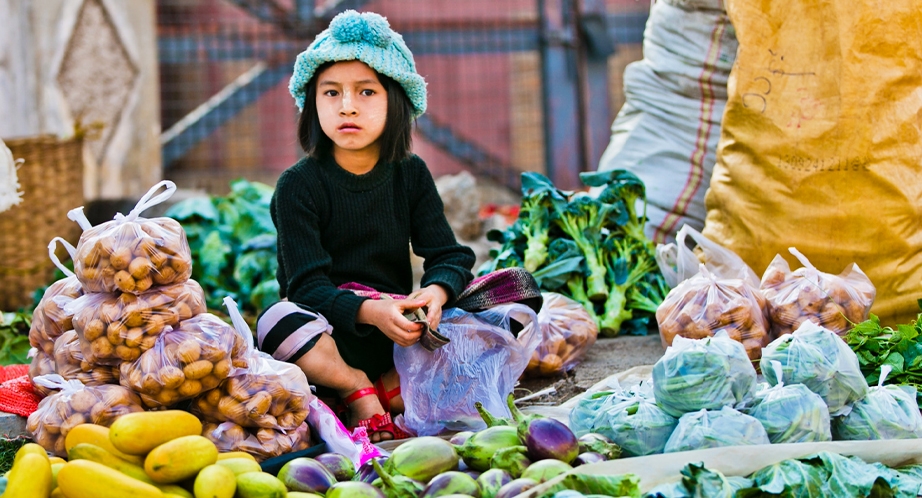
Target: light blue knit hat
{"x": 366, "y": 37}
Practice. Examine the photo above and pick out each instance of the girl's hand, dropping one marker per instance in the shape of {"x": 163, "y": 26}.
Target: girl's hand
{"x": 435, "y": 297}
{"x": 387, "y": 315}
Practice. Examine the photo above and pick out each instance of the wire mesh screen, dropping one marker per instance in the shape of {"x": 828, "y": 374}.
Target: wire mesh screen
{"x": 225, "y": 66}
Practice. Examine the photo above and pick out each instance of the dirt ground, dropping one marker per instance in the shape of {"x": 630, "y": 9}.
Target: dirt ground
{"x": 606, "y": 357}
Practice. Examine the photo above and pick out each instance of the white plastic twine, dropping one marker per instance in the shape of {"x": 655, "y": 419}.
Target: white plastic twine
{"x": 884, "y": 372}
{"x": 76, "y": 214}
{"x": 54, "y": 257}
{"x": 55, "y": 381}
{"x": 150, "y": 200}
{"x": 779, "y": 372}
{"x": 239, "y": 323}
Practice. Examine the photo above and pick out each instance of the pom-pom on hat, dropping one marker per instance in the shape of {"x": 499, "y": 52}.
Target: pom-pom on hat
{"x": 366, "y": 37}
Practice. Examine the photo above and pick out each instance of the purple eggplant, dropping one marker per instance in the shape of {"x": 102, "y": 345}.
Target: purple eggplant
{"x": 396, "y": 486}
{"x": 471, "y": 472}
{"x": 491, "y": 480}
{"x": 599, "y": 444}
{"x": 423, "y": 458}
{"x": 354, "y": 489}
{"x": 366, "y": 472}
{"x": 516, "y": 487}
{"x": 479, "y": 448}
{"x": 546, "y": 470}
{"x": 306, "y": 474}
{"x": 459, "y": 438}
{"x": 512, "y": 459}
{"x": 588, "y": 457}
{"x": 450, "y": 483}
{"x": 490, "y": 419}
{"x": 544, "y": 437}
{"x": 338, "y": 464}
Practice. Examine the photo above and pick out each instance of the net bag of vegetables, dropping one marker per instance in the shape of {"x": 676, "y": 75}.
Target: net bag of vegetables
{"x": 819, "y": 359}
{"x": 49, "y": 319}
{"x": 132, "y": 254}
{"x": 42, "y": 364}
{"x": 76, "y": 404}
{"x": 267, "y": 394}
{"x": 791, "y": 413}
{"x": 482, "y": 362}
{"x": 185, "y": 362}
{"x": 715, "y": 428}
{"x": 261, "y": 443}
{"x": 633, "y": 422}
{"x": 587, "y": 412}
{"x": 70, "y": 363}
{"x": 567, "y": 331}
{"x": 887, "y": 412}
{"x": 117, "y": 327}
{"x": 702, "y": 374}
{"x": 835, "y": 302}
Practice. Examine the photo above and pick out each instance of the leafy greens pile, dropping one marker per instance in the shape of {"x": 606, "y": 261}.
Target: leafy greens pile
{"x": 590, "y": 249}
{"x": 233, "y": 243}
{"x": 877, "y": 346}
{"x": 14, "y": 338}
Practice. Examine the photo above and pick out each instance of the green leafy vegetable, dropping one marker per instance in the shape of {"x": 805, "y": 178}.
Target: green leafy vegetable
{"x": 901, "y": 348}
{"x": 14, "y": 338}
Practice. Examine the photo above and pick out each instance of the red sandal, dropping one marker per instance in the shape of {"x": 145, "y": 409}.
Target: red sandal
{"x": 376, "y": 423}
{"x": 385, "y": 396}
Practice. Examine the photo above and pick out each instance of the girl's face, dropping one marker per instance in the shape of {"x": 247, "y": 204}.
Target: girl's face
{"x": 352, "y": 107}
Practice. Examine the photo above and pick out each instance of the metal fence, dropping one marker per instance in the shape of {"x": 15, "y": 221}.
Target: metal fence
{"x": 514, "y": 85}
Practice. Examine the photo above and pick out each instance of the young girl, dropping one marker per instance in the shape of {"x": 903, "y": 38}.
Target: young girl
{"x": 347, "y": 213}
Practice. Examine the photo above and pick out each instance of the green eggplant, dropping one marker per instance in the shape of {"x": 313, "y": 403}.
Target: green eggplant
{"x": 545, "y": 470}
{"x": 451, "y": 483}
{"x": 423, "y": 458}
{"x": 520, "y": 420}
{"x": 513, "y": 460}
{"x": 479, "y": 448}
{"x": 490, "y": 419}
{"x": 396, "y": 486}
{"x": 491, "y": 480}
{"x": 599, "y": 444}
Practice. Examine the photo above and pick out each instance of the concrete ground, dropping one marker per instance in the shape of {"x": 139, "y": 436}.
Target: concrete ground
{"x": 606, "y": 357}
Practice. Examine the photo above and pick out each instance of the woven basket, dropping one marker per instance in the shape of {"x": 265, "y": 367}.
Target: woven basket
{"x": 51, "y": 179}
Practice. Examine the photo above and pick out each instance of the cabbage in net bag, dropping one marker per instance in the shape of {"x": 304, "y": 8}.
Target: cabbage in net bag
{"x": 702, "y": 374}
{"x": 705, "y": 304}
{"x": 632, "y": 421}
{"x": 567, "y": 332}
{"x": 49, "y": 319}
{"x": 185, "y": 362}
{"x": 70, "y": 363}
{"x": 819, "y": 359}
{"x": 482, "y": 363}
{"x": 117, "y": 327}
{"x": 791, "y": 413}
{"x": 832, "y": 301}
{"x": 712, "y": 429}
{"x": 267, "y": 394}
{"x": 73, "y": 405}
{"x": 261, "y": 443}
{"x": 132, "y": 254}
{"x": 887, "y": 412}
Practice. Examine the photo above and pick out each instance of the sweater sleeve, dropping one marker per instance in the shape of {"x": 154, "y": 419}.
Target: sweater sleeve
{"x": 303, "y": 262}
{"x": 446, "y": 262}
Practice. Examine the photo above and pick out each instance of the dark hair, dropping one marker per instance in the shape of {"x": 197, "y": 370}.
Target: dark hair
{"x": 395, "y": 140}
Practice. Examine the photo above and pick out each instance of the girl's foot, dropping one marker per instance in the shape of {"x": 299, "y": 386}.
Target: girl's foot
{"x": 366, "y": 411}
{"x": 388, "y": 386}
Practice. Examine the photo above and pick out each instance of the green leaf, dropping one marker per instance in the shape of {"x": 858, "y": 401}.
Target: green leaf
{"x": 621, "y": 485}
{"x": 896, "y": 361}
{"x": 790, "y": 478}
{"x": 556, "y": 274}
{"x": 194, "y": 209}
{"x": 214, "y": 255}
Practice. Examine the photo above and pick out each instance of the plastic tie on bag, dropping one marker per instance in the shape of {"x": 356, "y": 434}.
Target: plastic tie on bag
{"x": 149, "y": 200}
{"x": 54, "y": 257}
{"x": 56, "y": 382}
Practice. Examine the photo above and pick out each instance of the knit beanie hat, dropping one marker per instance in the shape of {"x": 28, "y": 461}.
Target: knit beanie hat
{"x": 366, "y": 37}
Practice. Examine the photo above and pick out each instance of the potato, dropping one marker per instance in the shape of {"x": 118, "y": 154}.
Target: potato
{"x": 550, "y": 364}
{"x": 261, "y": 443}
{"x": 49, "y": 319}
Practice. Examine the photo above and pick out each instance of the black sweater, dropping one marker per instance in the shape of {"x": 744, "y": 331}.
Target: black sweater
{"x": 335, "y": 227}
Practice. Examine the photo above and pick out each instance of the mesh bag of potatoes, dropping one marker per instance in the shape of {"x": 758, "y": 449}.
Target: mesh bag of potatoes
{"x": 42, "y": 364}
{"x": 70, "y": 364}
{"x": 704, "y": 305}
{"x": 268, "y": 394}
{"x": 117, "y": 327}
{"x": 132, "y": 254}
{"x": 49, "y": 319}
{"x": 73, "y": 405}
{"x": 834, "y": 302}
{"x": 185, "y": 362}
{"x": 261, "y": 443}
{"x": 567, "y": 332}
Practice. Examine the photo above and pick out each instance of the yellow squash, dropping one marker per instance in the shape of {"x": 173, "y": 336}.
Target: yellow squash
{"x": 98, "y": 435}
{"x": 93, "y": 453}
{"x": 30, "y": 477}
{"x": 235, "y": 454}
{"x": 215, "y": 481}
{"x": 140, "y": 432}
{"x": 240, "y": 465}
{"x": 86, "y": 479}
{"x": 180, "y": 458}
